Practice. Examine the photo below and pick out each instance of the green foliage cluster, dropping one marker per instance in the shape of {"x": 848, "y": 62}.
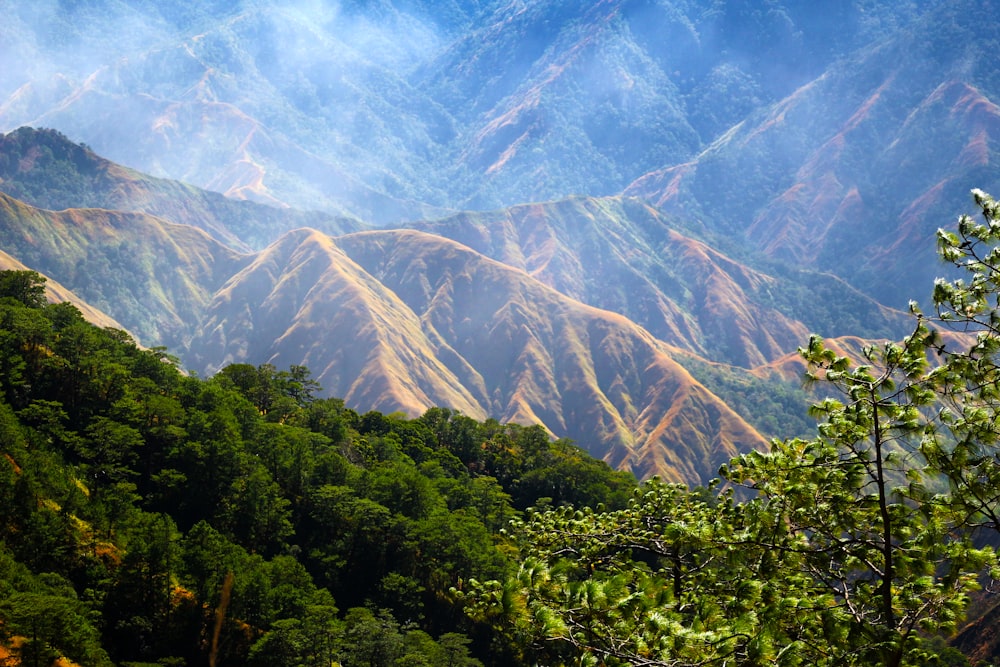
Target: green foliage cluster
{"x": 153, "y": 517}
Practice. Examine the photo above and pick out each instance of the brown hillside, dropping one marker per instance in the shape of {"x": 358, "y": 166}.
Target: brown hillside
{"x": 623, "y": 255}
{"x": 584, "y": 373}
{"x": 303, "y": 301}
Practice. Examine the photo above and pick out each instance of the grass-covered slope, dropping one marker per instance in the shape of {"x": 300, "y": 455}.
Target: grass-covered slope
{"x": 407, "y": 320}
{"x": 153, "y": 276}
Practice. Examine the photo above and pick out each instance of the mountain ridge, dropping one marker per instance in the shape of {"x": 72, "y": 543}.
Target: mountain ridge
{"x": 622, "y": 255}
{"x": 854, "y": 172}
{"x": 397, "y": 320}
{"x": 625, "y": 86}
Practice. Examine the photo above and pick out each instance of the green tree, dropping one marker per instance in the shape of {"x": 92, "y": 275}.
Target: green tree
{"x": 669, "y": 580}
{"x": 138, "y": 618}
{"x": 255, "y": 513}
{"x": 840, "y": 557}
{"x": 24, "y": 333}
{"x": 53, "y": 625}
{"x": 27, "y": 287}
{"x": 110, "y": 449}
{"x": 370, "y": 639}
{"x": 884, "y": 550}
{"x": 967, "y": 450}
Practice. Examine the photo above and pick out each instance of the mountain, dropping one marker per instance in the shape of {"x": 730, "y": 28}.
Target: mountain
{"x": 837, "y": 138}
{"x": 391, "y": 110}
{"x": 45, "y": 169}
{"x": 406, "y": 320}
{"x": 855, "y": 171}
{"x": 560, "y": 97}
{"x": 256, "y": 101}
{"x": 717, "y": 179}
{"x": 623, "y": 255}
{"x": 394, "y": 320}
{"x": 303, "y": 301}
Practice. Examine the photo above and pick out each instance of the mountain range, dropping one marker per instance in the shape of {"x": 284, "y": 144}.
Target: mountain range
{"x": 617, "y": 219}
{"x": 392, "y": 320}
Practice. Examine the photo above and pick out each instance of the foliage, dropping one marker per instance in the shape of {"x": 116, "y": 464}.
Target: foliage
{"x": 27, "y": 287}
{"x": 667, "y": 581}
{"x": 155, "y": 517}
{"x": 968, "y": 375}
{"x": 886, "y": 559}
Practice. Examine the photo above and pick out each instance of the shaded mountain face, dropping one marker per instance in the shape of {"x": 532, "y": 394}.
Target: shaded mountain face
{"x": 856, "y": 170}
{"x": 45, "y": 169}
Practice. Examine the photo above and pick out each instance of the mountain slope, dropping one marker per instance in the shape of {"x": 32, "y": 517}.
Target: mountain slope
{"x": 303, "y": 301}
{"x": 622, "y": 255}
{"x": 47, "y": 170}
{"x": 584, "y": 373}
{"x": 153, "y": 276}
{"x": 855, "y": 171}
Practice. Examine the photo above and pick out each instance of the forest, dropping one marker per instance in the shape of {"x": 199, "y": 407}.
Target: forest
{"x": 152, "y": 517}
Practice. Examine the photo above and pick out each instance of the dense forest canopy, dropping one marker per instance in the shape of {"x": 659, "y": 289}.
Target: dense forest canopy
{"x": 150, "y": 516}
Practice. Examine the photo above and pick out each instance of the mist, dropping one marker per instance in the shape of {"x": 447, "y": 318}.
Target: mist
{"x": 398, "y": 110}
{"x": 309, "y": 96}
{"x": 783, "y": 137}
